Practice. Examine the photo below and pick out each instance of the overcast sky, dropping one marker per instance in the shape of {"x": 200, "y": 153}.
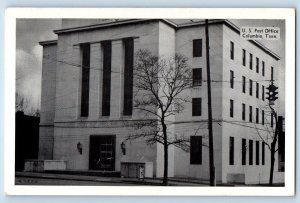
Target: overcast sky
{"x": 29, "y": 53}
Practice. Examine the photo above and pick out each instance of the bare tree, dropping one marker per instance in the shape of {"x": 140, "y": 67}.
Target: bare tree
{"x": 159, "y": 82}
{"x": 21, "y": 102}
{"x": 270, "y": 137}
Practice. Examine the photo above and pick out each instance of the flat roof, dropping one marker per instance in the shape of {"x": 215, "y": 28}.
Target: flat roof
{"x": 48, "y": 42}
{"x": 192, "y": 23}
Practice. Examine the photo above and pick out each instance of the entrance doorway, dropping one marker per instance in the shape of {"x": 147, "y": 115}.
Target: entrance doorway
{"x": 102, "y": 152}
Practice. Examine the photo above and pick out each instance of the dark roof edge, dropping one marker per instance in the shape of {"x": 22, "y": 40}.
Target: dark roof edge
{"x": 48, "y": 42}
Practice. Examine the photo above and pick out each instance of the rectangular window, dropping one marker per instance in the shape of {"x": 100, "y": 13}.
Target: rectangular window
{"x": 257, "y": 115}
{"x": 244, "y": 147}
{"x": 257, "y": 65}
{"x": 263, "y": 153}
{"x": 263, "y": 68}
{"x": 263, "y": 117}
{"x": 196, "y": 106}
{"x": 243, "y": 112}
{"x": 263, "y": 93}
{"x": 257, "y": 152}
{"x": 85, "y": 79}
{"x": 106, "y": 81}
{"x": 251, "y": 62}
{"x": 257, "y": 90}
{"x": 244, "y": 57}
{"x": 232, "y": 50}
{"x": 196, "y": 150}
{"x": 250, "y": 113}
{"x": 197, "y": 47}
{"x": 231, "y": 108}
{"x": 244, "y": 84}
{"x": 250, "y": 87}
{"x": 231, "y": 150}
{"x": 128, "y": 75}
{"x": 231, "y": 79}
{"x": 197, "y": 76}
{"x": 272, "y": 74}
{"x": 250, "y": 152}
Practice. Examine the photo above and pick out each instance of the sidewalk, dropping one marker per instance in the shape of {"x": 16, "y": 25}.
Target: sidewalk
{"x": 146, "y": 181}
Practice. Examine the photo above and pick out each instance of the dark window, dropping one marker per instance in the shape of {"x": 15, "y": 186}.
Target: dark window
{"x": 106, "y": 49}
{"x": 231, "y": 79}
{"x": 243, "y": 112}
{"x": 257, "y": 90}
{"x": 244, "y": 147}
{"x": 263, "y": 153}
{"x": 196, "y": 150}
{"x": 197, "y": 47}
{"x": 272, "y": 74}
{"x": 251, "y": 62}
{"x": 244, "y": 57}
{"x": 128, "y": 75}
{"x": 257, "y": 152}
{"x": 232, "y": 50}
{"x": 196, "y": 106}
{"x": 263, "y": 69}
{"x": 244, "y": 84}
{"x": 257, "y": 115}
{"x": 250, "y": 87}
{"x": 85, "y": 79}
{"x": 263, "y": 117}
{"x": 231, "y": 150}
{"x": 250, "y": 152}
{"x": 263, "y": 93}
{"x": 197, "y": 76}
{"x": 231, "y": 108}
{"x": 250, "y": 113}
{"x": 272, "y": 123}
{"x": 257, "y": 65}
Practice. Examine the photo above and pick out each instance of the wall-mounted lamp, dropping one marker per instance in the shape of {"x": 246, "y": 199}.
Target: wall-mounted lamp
{"x": 79, "y": 147}
{"x": 123, "y": 148}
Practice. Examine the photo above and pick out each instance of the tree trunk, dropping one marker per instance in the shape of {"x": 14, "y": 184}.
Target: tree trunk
{"x": 165, "y": 180}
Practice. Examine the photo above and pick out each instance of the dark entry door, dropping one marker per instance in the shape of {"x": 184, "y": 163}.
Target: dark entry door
{"x": 102, "y": 152}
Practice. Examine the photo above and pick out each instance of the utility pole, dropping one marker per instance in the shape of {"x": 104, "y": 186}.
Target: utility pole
{"x": 210, "y": 127}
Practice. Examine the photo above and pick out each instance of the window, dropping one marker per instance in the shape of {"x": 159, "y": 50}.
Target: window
{"x": 263, "y": 117}
{"x": 232, "y": 50}
{"x": 231, "y": 79}
{"x": 243, "y": 112}
{"x": 231, "y": 150}
{"x": 250, "y": 87}
{"x": 231, "y": 108}
{"x": 106, "y": 50}
{"x": 196, "y": 150}
{"x": 257, "y": 115}
{"x": 263, "y": 68}
{"x": 244, "y": 57}
{"x": 250, "y": 152}
{"x": 197, "y": 47}
{"x": 251, "y": 62}
{"x": 244, "y": 147}
{"x": 196, "y": 106}
{"x": 244, "y": 84}
{"x": 272, "y": 74}
{"x": 257, "y": 153}
{"x": 272, "y": 123}
{"x": 257, "y": 90}
{"x": 257, "y": 65}
{"x": 263, "y": 153}
{"x": 85, "y": 79}
{"x": 250, "y": 113}
{"x": 128, "y": 75}
{"x": 263, "y": 93}
{"x": 197, "y": 76}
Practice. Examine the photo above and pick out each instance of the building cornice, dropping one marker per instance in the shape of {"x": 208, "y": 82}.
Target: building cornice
{"x": 48, "y": 42}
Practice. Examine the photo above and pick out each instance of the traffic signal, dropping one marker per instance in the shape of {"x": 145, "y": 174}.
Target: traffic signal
{"x": 272, "y": 93}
